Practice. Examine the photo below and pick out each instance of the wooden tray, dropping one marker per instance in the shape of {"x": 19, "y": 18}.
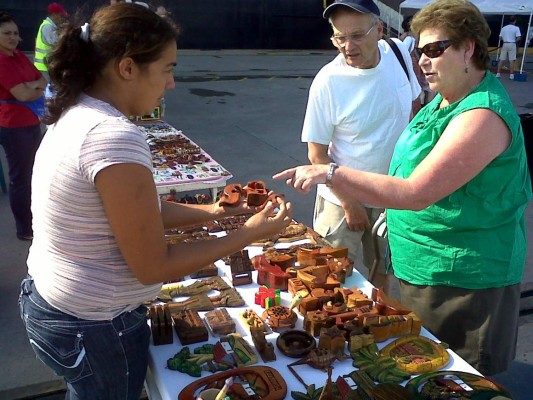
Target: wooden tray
{"x": 417, "y": 354}
{"x": 447, "y": 385}
{"x": 265, "y": 381}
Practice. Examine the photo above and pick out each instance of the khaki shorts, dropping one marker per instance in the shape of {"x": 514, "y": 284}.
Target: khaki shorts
{"x": 508, "y": 52}
{"x": 330, "y": 223}
{"x": 479, "y": 325}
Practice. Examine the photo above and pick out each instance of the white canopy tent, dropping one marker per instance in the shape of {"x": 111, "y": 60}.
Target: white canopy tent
{"x": 498, "y": 7}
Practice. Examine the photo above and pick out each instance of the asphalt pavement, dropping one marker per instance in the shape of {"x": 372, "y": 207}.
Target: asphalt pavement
{"x": 245, "y": 109}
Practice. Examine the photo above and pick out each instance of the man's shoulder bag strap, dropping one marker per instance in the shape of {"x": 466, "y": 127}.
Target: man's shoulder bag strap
{"x": 399, "y": 55}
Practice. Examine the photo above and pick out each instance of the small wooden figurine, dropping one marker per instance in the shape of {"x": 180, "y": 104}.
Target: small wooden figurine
{"x": 189, "y": 327}
{"x": 161, "y": 325}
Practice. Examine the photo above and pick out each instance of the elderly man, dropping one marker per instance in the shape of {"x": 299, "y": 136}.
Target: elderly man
{"x": 47, "y": 36}
{"x": 358, "y": 105}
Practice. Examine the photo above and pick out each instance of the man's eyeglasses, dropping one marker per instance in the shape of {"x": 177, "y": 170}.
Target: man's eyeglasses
{"x": 435, "y": 49}
{"x": 341, "y": 40}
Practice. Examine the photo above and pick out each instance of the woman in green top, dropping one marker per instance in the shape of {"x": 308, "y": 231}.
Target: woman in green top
{"x": 455, "y": 195}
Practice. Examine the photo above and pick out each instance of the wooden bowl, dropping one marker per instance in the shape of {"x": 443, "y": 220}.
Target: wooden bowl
{"x": 295, "y": 343}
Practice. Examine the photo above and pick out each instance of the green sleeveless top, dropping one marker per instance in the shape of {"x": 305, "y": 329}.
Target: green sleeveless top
{"x": 475, "y": 238}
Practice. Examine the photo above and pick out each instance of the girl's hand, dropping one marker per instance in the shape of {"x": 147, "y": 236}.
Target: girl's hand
{"x": 269, "y": 222}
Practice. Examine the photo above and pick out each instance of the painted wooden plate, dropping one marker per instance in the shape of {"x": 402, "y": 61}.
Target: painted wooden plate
{"x": 264, "y": 382}
{"x": 417, "y": 354}
{"x": 448, "y": 385}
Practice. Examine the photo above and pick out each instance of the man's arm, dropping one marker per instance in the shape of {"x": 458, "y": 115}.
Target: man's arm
{"x": 318, "y": 153}
{"x": 49, "y": 35}
{"x": 356, "y": 217}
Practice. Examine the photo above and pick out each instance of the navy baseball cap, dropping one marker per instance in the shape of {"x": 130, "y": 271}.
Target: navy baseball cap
{"x": 362, "y": 6}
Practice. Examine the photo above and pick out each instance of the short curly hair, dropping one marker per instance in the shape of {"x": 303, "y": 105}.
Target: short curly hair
{"x": 460, "y": 20}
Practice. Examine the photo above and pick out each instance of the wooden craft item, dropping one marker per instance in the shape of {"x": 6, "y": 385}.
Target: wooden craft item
{"x": 317, "y": 276}
{"x": 317, "y": 358}
{"x": 310, "y": 257}
{"x": 315, "y": 321}
{"x": 199, "y": 302}
{"x": 265, "y": 382}
{"x": 284, "y": 261}
{"x": 192, "y": 363}
{"x": 446, "y": 385}
{"x": 189, "y": 327}
{"x": 279, "y": 317}
{"x": 346, "y": 385}
{"x": 224, "y": 355}
{"x": 357, "y": 341}
{"x": 295, "y": 343}
{"x": 256, "y": 193}
{"x": 379, "y": 367}
{"x": 318, "y": 256}
{"x": 228, "y": 224}
{"x": 354, "y": 313}
{"x": 332, "y": 339}
{"x": 241, "y": 268}
{"x": 327, "y": 389}
{"x": 316, "y": 299}
{"x": 291, "y": 250}
{"x": 338, "y": 267}
{"x": 295, "y": 285}
{"x": 417, "y": 354}
{"x": 390, "y": 391}
{"x": 292, "y": 233}
{"x": 220, "y": 322}
{"x": 387, "y": 305}
{"x": 231, "y": 195}
{"x": 210, "y": 270}
{"x": 355, "y": 298}
{"x": 270, "y": 275}
{"x": 267, "y": 297}
{"x": 379, "y": 327}
{"x": 384, "y": 327}
{"x": 358, "y": 380}
{"x": 161, "y": 325}
{"x": 263, "y": 347}
{"x": 228, "y": 298}
{"x": 333, "y": 308}
{"x": 169, "y": 291}
{"x": 202, "y": 302}
{"x": 336, "y": 252}
{"x": 252, "y": 320}
{"x": 243, "y": 353}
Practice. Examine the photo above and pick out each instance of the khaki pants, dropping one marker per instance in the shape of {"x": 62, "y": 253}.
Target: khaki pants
{"x": 330, "y": 223}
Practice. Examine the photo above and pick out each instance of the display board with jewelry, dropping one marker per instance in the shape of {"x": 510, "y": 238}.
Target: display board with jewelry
{"x": 179, "y": 163}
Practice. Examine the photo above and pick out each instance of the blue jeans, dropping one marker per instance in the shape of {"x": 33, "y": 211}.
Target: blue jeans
{"x": 104, "y": 360}
{"x": 20, "y": 146}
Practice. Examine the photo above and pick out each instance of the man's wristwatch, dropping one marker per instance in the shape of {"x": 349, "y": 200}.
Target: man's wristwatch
{"x": 329, "y": 176}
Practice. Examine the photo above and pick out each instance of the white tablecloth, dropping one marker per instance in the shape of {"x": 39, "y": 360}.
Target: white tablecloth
{"x": 162, "y": 383}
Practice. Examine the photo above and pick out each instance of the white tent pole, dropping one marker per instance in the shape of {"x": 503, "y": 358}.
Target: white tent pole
{"x": 524, "y": 55}
{"x": 400, "y": 16}
{"x": 498, "y": 47}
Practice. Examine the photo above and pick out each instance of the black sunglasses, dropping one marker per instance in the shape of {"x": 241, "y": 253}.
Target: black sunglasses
{"x": 435, "y": 49}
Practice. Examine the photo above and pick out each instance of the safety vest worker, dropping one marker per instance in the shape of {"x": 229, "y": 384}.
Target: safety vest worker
{"x": 47, "y": 35}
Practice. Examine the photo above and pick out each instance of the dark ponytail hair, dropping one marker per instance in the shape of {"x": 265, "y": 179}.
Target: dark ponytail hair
{"x": 117, "y": 31}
